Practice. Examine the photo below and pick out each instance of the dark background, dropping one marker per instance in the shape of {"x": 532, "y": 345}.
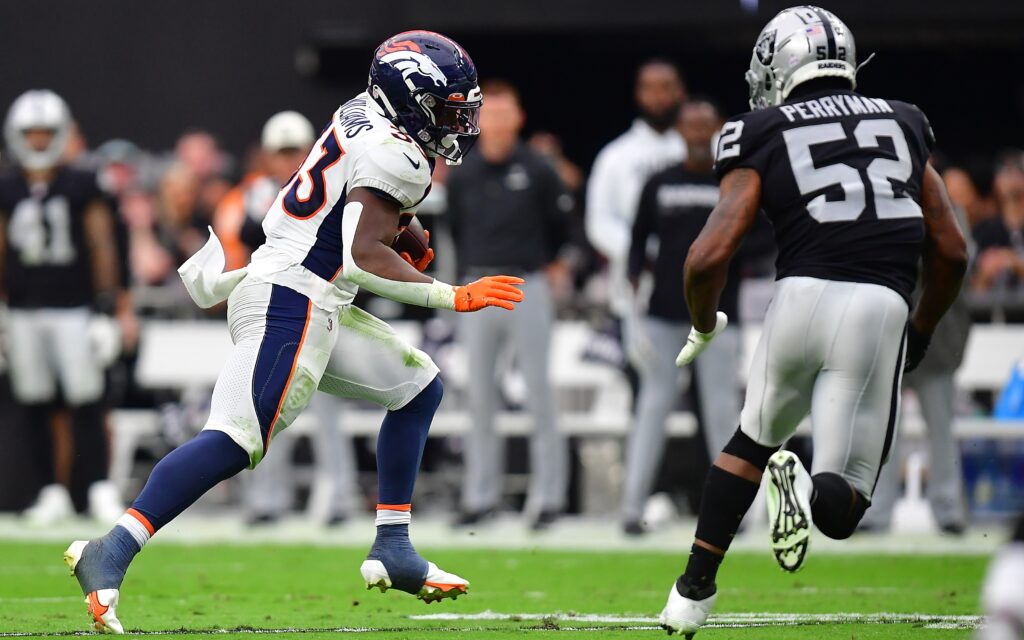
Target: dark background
{"x": 146, "y": 71}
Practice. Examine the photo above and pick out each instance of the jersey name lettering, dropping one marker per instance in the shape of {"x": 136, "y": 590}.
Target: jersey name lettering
{"x": 834, "y": 107}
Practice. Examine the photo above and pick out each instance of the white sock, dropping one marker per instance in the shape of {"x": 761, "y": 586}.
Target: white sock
{"x": 396, "y": 514}
{"x": 137, "y": 525}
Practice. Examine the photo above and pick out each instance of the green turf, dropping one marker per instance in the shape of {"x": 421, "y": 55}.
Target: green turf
{"x": 210, "y": 588}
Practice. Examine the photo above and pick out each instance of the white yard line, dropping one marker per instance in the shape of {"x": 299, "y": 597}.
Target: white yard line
{"x": 730, "y": 620}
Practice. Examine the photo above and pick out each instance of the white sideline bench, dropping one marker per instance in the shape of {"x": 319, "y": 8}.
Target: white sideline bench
{"x": 188, "y": 355}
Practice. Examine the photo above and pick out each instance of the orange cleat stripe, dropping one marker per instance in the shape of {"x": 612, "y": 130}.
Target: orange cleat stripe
{"x": 141, "y": 518}
{"x": 394, "y": 507}
{"x": 95, "y": 608}
{"x": 446, "y": 587}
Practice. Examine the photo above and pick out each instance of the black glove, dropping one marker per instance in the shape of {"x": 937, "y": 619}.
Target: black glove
{"x": 917, "y": 345}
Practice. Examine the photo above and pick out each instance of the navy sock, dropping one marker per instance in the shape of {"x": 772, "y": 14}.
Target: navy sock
{"x": 187, "y": 473}
{"x": 400, "y": 445}
{"x": 393, "y": 548}
{"x": 105, "y": 561}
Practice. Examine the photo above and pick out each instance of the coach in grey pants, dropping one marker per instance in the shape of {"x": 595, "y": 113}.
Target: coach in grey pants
{"x": 508, "y": 211}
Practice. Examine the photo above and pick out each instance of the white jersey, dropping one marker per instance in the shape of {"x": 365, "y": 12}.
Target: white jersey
{"x": 613, "y": 194}
{"x": 620, "y": 171}
{"x": 359, "y": 148}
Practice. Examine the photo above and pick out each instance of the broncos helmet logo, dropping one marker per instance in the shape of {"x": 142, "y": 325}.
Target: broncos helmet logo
{"x": 410, "y": 62}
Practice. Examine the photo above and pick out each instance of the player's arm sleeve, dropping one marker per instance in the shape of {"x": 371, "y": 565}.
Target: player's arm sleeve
{"x": 604, "y": 226}
{"x": 383, "y": 279}
{"x": 641, "y": 230}
{"x": 394, "y": 168}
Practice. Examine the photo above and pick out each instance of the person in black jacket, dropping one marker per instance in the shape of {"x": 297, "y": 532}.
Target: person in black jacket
{"x": 674, "y": 205}
{"x": 522, "y": 233}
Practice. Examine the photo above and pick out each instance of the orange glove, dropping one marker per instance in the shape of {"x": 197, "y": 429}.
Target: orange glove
{"x": 489, "y": 291}
{"x": 421, "y": 264}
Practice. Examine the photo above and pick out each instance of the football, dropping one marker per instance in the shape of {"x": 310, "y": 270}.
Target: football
{"x": 411, "y": 238}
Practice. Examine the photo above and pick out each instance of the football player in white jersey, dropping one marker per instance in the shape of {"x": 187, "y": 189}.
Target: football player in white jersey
{"x": 294, "y": 327}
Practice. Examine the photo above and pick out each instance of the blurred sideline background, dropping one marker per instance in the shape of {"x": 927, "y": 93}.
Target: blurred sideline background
{"x": 186, "y": 88}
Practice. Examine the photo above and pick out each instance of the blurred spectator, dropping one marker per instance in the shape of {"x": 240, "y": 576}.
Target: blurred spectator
{"x": 179, "y": 223}
{"x": 1000, "y": 240}
{"x": 238, "y": 220}
{"x": 651, "y": 144}
{"x": 200, "y": 153}
{"x": 520, "y": 234}
{"x": 151, "y": 262}
{"x": 970, "y": 188}
{"x": 118, "y": 162}
{"x": 673, "y": 207}
{"x": 548, "y": 145}
{"x": 76, "y": 145}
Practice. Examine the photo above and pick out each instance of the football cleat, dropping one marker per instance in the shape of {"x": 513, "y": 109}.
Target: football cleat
{"x": 684, "y": 616}
{"x": 789, "y": 509}
{"x": 102, "y": 603}
{"x": 436, "y": 585}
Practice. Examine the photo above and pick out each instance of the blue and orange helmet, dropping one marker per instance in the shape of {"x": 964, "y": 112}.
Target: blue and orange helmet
{"x": 427, "y": 85}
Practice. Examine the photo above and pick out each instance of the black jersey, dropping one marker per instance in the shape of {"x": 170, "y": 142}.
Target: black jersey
{"x": 46, "y": 262}
{"x": 841, "y": 183}
{"x": 674, "y": 205}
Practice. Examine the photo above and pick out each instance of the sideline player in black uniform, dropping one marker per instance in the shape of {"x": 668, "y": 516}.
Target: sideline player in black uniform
{"x": 58, "y": 261}
{"x": 845, "y": 182}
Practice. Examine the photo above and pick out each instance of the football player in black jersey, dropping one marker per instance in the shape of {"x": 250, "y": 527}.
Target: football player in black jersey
{"x": 59, "y": 262}
{"x": 845, "y": 181}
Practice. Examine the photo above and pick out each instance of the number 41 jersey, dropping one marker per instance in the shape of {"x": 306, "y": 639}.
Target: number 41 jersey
{"x": 841, "y": 183}
{"x": 46, "y": 263}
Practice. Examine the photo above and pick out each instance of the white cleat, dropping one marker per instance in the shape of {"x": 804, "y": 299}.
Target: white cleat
{"x": 684, "y": 616}
{"x": 52, "y": 506}
{"x": 789, "y": 509}
{"x": 437, "y": 586}
{"x": 102, "y": 604}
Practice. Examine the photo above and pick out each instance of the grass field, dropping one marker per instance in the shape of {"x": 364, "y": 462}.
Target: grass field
{"x": 315, "y": 591}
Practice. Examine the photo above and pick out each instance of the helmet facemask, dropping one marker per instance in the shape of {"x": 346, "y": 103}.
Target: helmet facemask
{"x": 454, "y": 125}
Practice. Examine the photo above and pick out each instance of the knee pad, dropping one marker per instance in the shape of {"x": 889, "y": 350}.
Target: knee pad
{"x": 745, "y": 448}
{"x": 836, "y": 506}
